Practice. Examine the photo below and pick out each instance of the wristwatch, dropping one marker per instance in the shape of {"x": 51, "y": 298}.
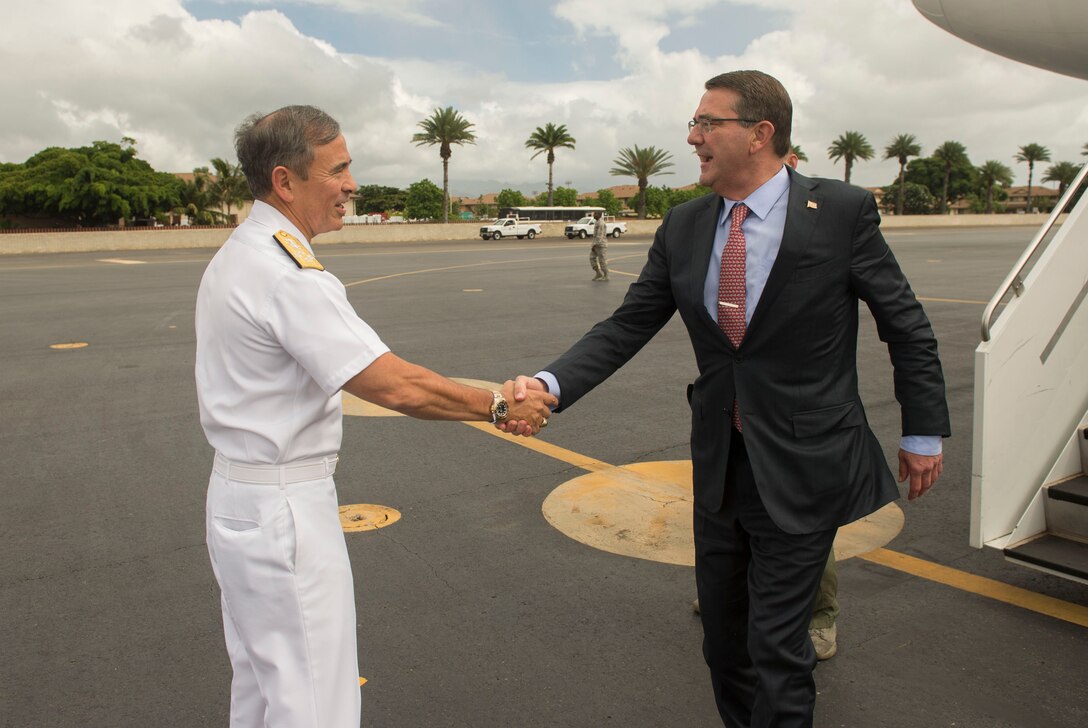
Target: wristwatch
{"x": 500, "y": 410}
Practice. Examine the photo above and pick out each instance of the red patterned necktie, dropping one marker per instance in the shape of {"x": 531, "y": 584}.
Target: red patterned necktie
{"x": 732, "y": 298}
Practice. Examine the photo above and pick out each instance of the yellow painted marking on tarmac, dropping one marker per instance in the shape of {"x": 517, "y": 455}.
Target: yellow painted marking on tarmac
{"x": 121, "y": 261}
{"x": 951, "y": 300}
{"x": 367, "y": 517}
{"x": 362, "y": 681}
{"x": 472, "y": 290}
{"x": 1051, "y": 607}
{"x": 934, "y": 260}
{"x": 73, "y": 345}
{"x": 545, "y": 448}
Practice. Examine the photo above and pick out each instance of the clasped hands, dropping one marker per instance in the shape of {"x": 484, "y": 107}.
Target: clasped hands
{"x": 530, "y": 406}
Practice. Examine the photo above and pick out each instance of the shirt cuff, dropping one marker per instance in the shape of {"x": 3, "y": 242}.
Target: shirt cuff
{"x": 551, "y": 383}
{"x": 921, "y": 444}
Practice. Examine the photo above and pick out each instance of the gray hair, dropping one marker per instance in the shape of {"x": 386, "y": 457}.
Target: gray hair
{"x": 761, "y": 98}
{"x": 285, "y": 138}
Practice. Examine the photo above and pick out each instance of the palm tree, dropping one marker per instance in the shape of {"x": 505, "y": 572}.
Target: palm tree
{"x": 903, "y": 147}
{"x": 990, "y": 175}
{"x": 949, "y": 154}
{"x": 1032, "y": 153}
{"x": 801, "y": 156}
{"x": 850, "y": 146}
{"x": 229, "y": 187}
{"x": 548, "y": 138}
{"x": 642, "y": 163}
{"x": 445, "y": 127}
{"x": 1063, "y": 173}
{"x": 196, "y": 201}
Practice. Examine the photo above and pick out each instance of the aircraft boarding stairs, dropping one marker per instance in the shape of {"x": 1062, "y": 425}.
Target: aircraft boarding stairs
{"x": 1029, "y": 487}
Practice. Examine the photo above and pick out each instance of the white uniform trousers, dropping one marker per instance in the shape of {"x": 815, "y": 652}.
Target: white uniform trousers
{"x": 279, "y": 556}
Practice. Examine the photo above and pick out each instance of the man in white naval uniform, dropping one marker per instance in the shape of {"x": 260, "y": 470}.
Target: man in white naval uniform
{"x": 276, "y": 342}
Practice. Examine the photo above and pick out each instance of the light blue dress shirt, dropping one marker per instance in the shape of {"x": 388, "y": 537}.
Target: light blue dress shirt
{"x": 763, "y": 228}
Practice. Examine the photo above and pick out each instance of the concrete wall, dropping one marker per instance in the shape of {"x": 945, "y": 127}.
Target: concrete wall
{"x": 163, "y": 238}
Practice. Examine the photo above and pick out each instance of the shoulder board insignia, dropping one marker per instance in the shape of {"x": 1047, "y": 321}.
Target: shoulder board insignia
{"x": 303, "y": 258}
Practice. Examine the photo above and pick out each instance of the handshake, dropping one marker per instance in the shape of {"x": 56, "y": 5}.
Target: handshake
{"x": 529, "y": 405}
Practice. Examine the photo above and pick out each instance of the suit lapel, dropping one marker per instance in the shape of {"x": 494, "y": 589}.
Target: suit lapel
{"x": 704, "y": 226}
{"x": 802, "y": 212}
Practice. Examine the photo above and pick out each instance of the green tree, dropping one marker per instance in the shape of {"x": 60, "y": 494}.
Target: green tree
{"x": 954, "y": 184}
{"x": 917, "y": 199}
{"x": 902, "y": 148}
{"x": 641, "y": 163}
{"x": 1032, "y": 153}
{"x": 376, "y": 199}
{"x": 511, "y": 198}
{"x": 445, "y": 127}
{"x": 657, "y": 200}
{"x": 1063, "y": 173}
{"x": 229, "y": 188}
{"x": 949, "y": 154}
{"x": 424, "y": 201}
{"x": 992, "y": 174}
{"x": 548, "y": 138}
{"x": 1084, "y": 150}
{"x": 197, "y": 202}
{"x": 850, "y": 146}
{"x": 677, "y": 197}
{"x": 607, "y": 199}
{"x": 566, "y": 196}
{"x": 801, "y": 156}
{"x": 96, "y": 185}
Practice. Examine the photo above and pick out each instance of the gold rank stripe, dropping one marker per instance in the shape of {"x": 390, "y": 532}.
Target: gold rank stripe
{"x": 303, "y": 258}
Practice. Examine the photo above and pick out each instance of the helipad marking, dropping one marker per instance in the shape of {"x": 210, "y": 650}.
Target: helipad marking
{"x": 644, "y": 510}
{"x": 73, "y": 345}
{"x": 367, "y": 517}
{"x": 122, "y": 261}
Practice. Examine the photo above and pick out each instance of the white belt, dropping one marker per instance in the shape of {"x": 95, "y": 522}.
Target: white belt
{"x": 276, "y": 474}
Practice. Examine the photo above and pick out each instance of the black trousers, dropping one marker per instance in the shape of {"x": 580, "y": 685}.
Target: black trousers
{"x": 756, "y": 585}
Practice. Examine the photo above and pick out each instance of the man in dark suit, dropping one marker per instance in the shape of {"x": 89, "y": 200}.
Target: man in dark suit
{"x": 767, "y": 274}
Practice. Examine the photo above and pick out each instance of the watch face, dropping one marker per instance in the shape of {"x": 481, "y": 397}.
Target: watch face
{"x": 502, "y": 409}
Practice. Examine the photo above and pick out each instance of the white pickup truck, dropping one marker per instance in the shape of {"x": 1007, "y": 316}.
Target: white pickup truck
{"x": 510, "y": 227}
{"x": 585, "y": 227}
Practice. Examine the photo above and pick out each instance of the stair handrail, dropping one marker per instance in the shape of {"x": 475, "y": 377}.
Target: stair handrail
{"x": 1014, "y": 281}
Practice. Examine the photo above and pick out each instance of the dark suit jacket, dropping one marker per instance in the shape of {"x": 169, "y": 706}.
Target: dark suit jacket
{"x": 816, "y": 462}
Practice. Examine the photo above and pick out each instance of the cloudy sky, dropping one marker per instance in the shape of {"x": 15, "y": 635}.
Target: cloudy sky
{"x": 179, "y": 75}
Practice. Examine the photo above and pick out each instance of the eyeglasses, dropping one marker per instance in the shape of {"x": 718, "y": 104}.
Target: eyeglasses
{"x": 706, "y": 124}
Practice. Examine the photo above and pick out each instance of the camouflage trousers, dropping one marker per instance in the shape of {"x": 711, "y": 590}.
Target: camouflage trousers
{"x": 598, "y": 259}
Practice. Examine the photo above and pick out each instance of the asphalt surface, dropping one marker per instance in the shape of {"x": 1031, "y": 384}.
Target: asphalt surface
{"x": 473, "y": 610}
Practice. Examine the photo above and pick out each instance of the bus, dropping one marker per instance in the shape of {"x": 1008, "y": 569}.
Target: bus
{"x": 545, "y": 214}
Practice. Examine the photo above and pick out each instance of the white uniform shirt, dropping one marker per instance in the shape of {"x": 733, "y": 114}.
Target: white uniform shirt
{"x": 274, "y": 345}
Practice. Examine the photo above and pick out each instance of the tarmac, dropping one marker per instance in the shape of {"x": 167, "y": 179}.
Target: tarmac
{"x": 478, "y": 604}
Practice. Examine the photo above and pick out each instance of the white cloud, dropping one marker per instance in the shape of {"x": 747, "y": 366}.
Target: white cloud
{"x": 410, "y": 11}
{"x": 148, "y": 69}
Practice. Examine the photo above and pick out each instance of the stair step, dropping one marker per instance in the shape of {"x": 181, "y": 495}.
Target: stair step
{"x": 1054, "y": 553}
{"x": 1074, "y": 490}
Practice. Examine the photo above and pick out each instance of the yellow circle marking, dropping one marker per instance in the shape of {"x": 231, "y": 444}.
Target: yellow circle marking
{"x": 356, "y": 407}
{"x": 367, "y": 517}
{"x": 73, "y": 345}
{"x": 644, "y": 510}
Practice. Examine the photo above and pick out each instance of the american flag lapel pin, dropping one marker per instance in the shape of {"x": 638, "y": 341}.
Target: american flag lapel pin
{"x": 812, "y": 205}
